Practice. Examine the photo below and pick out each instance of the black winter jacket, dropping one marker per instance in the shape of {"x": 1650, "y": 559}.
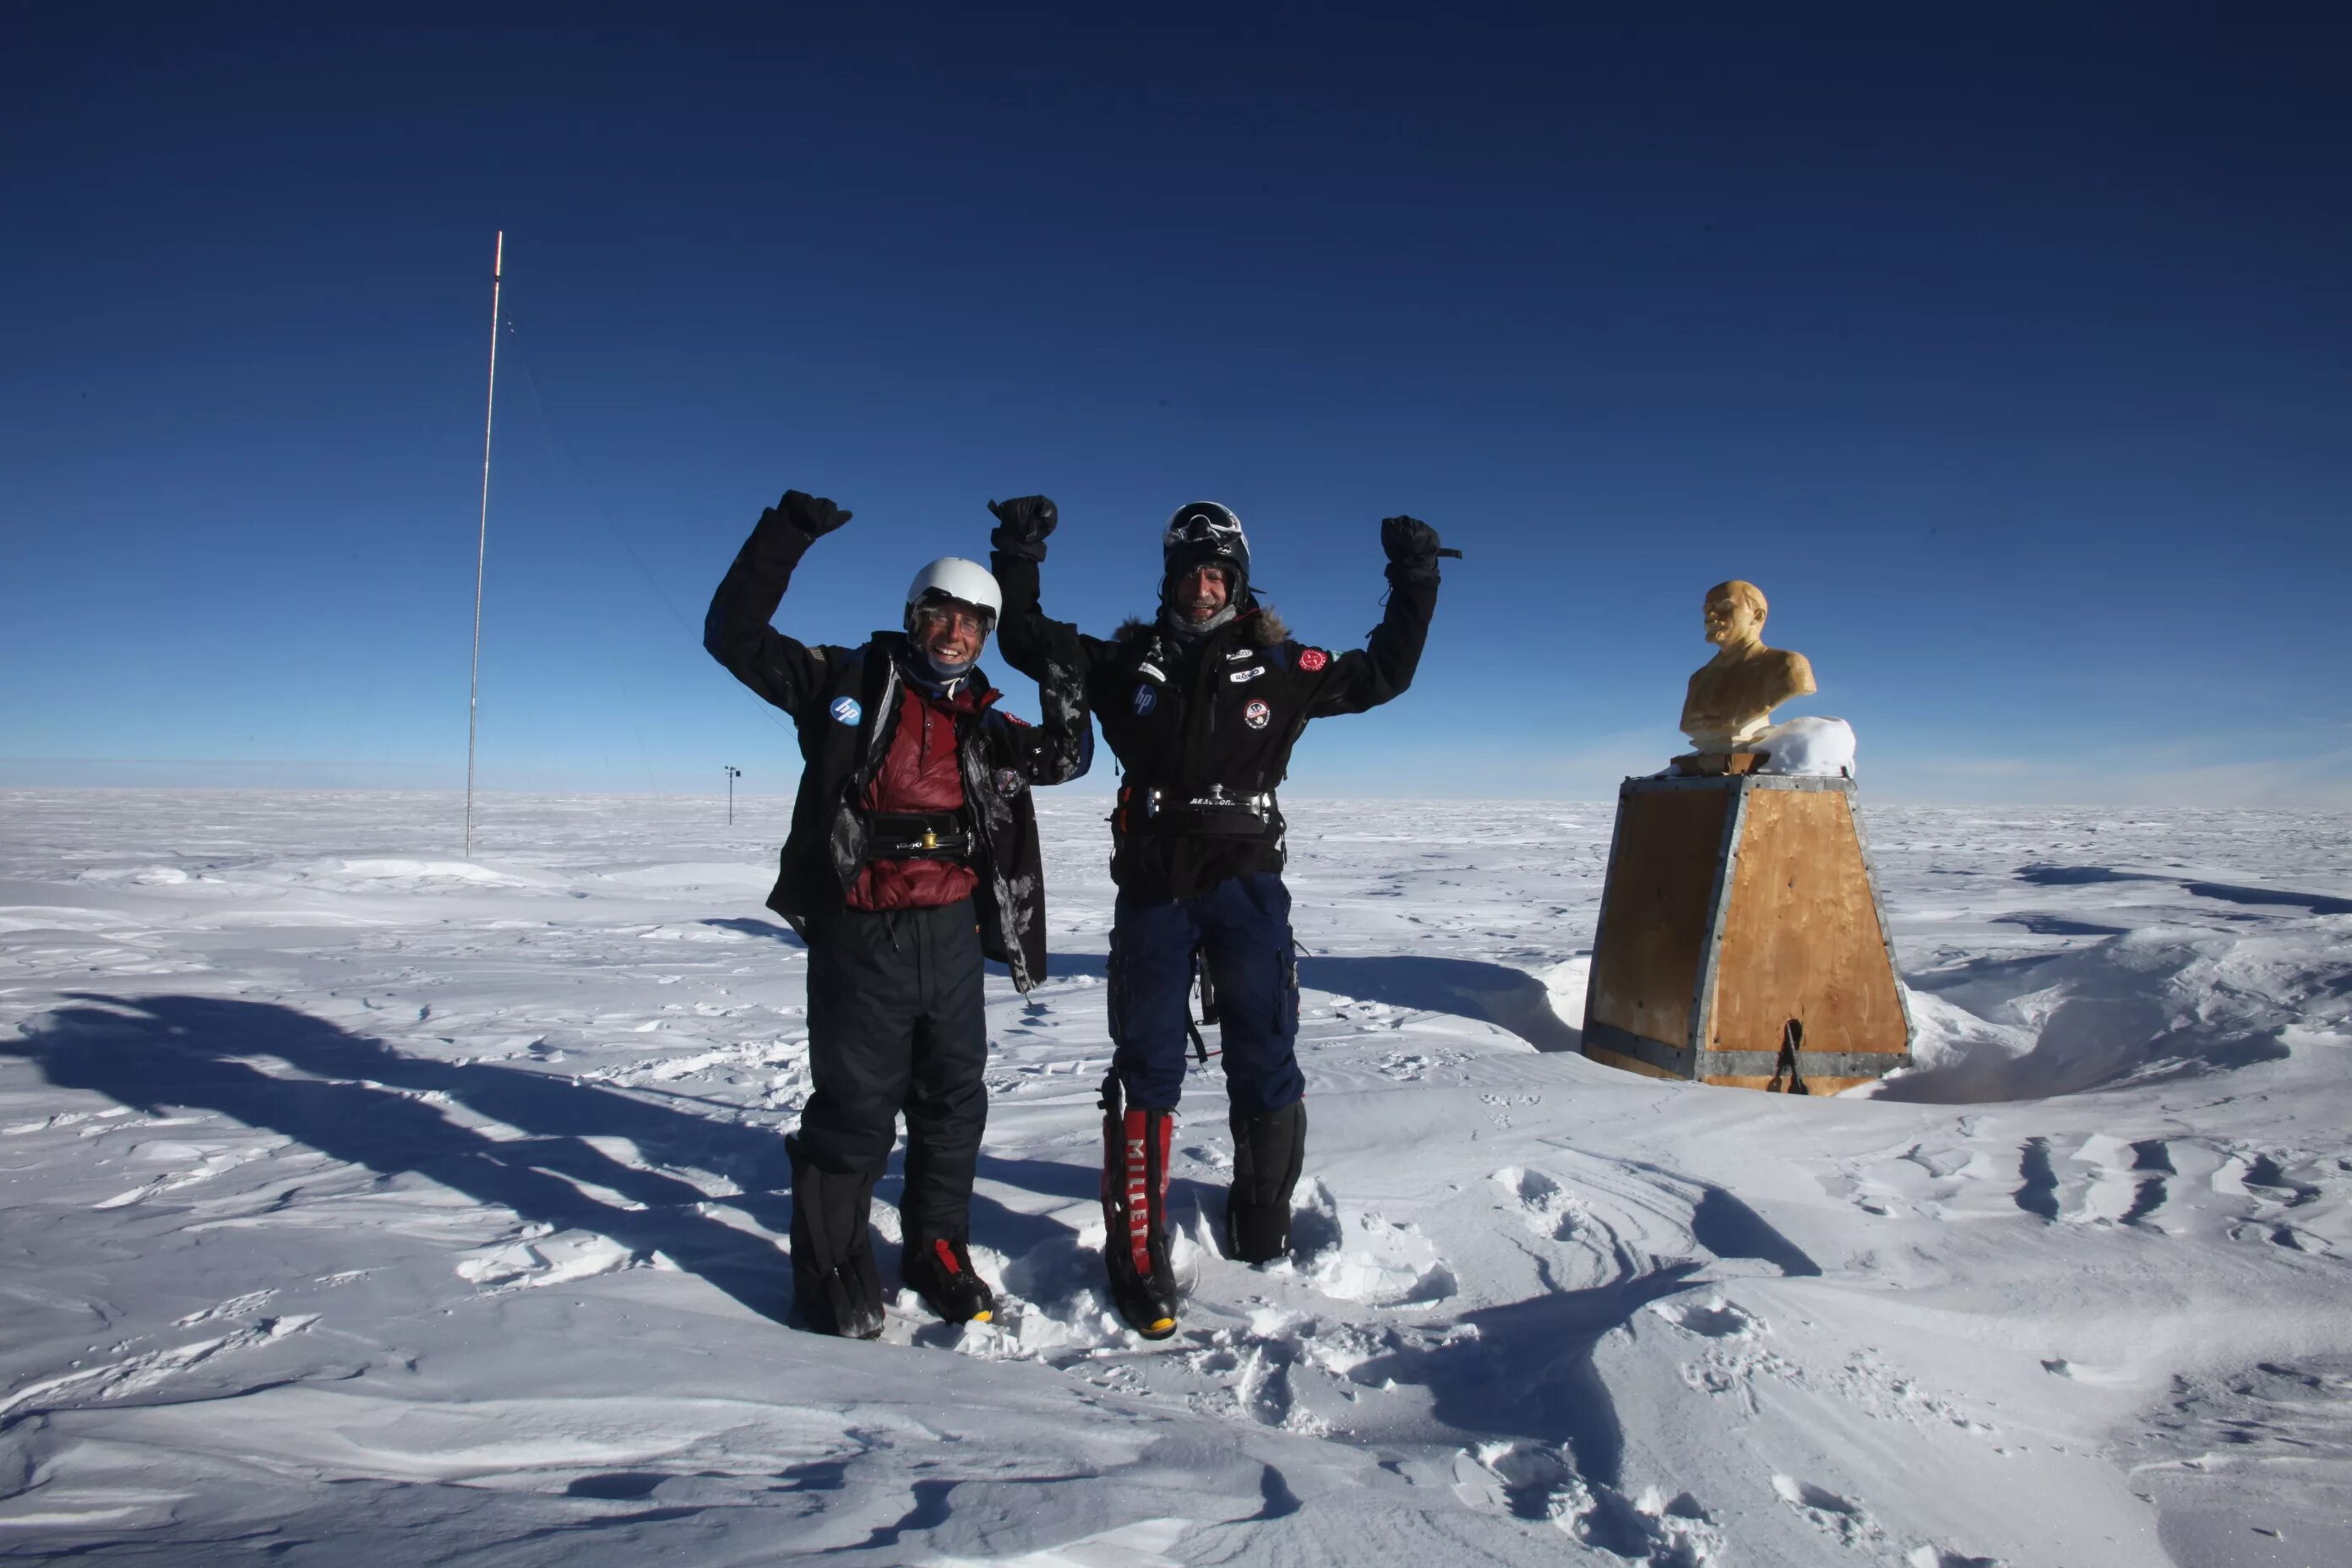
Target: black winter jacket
{"x": 844, "y": 704}
{"x": 1188, "y": 716}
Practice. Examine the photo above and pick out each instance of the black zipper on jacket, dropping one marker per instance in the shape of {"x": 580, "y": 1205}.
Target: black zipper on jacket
{"x": 881, "y": 723}
{"x": 1201, "y": 736}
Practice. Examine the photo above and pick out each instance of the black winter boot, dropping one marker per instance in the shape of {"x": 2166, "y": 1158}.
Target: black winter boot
{"x": 1135, "y": 1201}
{"x": 835, "y": 1288}
{"x": 939, "y": 1269}
{"x": 1268, "y": 1153}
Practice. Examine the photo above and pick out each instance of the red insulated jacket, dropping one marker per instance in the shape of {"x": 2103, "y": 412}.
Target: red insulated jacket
{"x": 919, "y": 772}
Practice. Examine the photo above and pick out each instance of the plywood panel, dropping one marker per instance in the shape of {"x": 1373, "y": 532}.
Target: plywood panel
{"x": 1801, "y": 938}
{"x": 1607, "y": 1058}
{"x": 1655, "y": 910}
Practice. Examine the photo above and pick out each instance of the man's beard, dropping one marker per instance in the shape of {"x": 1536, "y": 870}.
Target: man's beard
{"x": 1176, "y": 622}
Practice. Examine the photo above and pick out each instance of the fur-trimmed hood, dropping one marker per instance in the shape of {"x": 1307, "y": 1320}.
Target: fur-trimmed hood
{"x": 1263, "y": 626}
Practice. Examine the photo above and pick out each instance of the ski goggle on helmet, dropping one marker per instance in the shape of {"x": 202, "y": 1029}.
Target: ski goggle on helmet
{"x": 952, "y": 577}
{"x": 1205, "y": 533}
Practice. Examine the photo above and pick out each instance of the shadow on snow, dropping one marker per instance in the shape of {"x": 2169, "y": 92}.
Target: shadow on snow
{"x": 1510, "y": 999}
{"x": 2043, "y": 876}
{"x": 361, "y": 1102}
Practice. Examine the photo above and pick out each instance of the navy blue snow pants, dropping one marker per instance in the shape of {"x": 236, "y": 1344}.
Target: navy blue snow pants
{"x": 1242, "y": 927}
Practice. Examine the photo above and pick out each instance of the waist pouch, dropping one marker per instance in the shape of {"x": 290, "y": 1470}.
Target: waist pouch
{"x": 918, "y": 836}
{"x": 1157, "y": 812}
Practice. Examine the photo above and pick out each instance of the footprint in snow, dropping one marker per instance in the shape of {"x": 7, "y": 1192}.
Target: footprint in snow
{"x": 1361, "y": 1255}
{"x": 1714, "y": 1318}
{"x": 1544, "y": 1205}
{"x": 2267, "y": 1192}
{"x": 1538, "y": 1481}
{"x": 1921, "y": 1179}
{"x": 1846, "y": 1522}
{"x": 2092, "y": 1184}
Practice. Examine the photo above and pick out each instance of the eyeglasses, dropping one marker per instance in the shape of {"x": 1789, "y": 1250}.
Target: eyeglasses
{"x": 958, "y": 617}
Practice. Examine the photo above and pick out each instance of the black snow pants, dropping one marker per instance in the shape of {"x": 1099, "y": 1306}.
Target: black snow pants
{"x": 896, "y": 1025}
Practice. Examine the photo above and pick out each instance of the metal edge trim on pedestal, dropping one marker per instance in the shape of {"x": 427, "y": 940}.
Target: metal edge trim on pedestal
{"x": 1753, "y": 781}
{"x": 1601, "y": 917}
{"x": 1718, "y": 901}
{"x": 1674, "y": 1059}
{"x": 1810, "y": 1064}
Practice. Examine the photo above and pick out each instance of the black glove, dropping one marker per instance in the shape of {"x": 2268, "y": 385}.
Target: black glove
{"x": 1022, "y": 525}
{"x": 812, "y": 515}
{"x": 1411, "y": 546}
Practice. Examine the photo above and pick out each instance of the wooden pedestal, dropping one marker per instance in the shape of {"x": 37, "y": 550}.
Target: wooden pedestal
{"x": 1732, "y": 907}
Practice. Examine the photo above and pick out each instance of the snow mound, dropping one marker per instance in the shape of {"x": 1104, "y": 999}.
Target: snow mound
{"x": 1808, "y": 748}
{"x": 2140, "y": 1006}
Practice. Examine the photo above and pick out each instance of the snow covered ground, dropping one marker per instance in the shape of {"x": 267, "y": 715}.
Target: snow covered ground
{"x": 362, "y": 1204}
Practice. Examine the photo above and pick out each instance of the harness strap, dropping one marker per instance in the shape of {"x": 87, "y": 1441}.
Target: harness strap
{"x": 1208, "y": 1007}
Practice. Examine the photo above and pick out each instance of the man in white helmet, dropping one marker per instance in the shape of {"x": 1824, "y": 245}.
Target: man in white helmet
{"x": 913, "y": 853}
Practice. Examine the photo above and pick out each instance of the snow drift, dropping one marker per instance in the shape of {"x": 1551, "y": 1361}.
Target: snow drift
{"x": 363, "y": 1209}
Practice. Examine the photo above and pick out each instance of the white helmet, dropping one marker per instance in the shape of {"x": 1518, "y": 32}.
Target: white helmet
{"x": 954, "y": 577}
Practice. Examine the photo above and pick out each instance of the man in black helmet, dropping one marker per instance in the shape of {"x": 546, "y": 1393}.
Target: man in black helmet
{"x": 1203, "y": 704}
{"x": 913, "y": 852}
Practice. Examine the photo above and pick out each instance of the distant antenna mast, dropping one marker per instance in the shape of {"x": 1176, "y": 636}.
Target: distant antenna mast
{"x": 482, "y": 548}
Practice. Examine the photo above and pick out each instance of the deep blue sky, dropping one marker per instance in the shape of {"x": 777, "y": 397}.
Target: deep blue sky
{"x": 2008, "y": 348}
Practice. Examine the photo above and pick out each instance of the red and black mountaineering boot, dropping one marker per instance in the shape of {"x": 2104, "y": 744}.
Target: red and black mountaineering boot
{"x": 939, "y": 1269}
{"x": 835, "y": 1289}
{"x": 1135, "y": 1203}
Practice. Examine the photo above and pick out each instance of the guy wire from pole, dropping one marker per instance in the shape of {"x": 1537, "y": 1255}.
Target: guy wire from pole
{"x": 482, "y": 546}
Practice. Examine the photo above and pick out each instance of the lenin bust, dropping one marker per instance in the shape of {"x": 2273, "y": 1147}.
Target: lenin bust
{"x": 1731, "y": 697}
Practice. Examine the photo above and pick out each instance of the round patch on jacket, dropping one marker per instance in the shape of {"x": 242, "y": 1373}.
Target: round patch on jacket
{"x": 845, "y": 709}
{"x": 1256, "y": 714}
{"x": 1009, "y": 781}
{"x": 1147, "y": 698}
{"x": 1311, "y": 659}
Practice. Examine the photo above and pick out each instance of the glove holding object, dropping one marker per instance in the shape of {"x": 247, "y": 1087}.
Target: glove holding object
{"x": 1412, "y": 550}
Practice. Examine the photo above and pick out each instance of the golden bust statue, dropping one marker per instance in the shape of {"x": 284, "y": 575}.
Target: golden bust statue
{"x": 1733, "y": 694}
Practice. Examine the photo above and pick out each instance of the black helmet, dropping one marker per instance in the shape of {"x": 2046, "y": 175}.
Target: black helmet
{"x": 1205, "y": 533}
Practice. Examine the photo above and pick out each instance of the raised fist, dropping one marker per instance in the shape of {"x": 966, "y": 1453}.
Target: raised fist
{"x": 812, "y": 515}
{"x": 1408, "y": 542}
{"x": 1022, "y": 525}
